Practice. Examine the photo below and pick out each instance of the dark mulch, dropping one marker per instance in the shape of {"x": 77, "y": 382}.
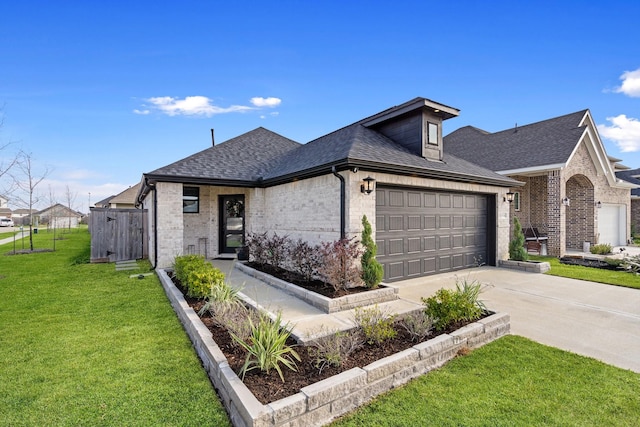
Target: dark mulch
{"x": 594, "y": 263}
{"x": 269, "y": 388}
{"x": 316, "y": 286}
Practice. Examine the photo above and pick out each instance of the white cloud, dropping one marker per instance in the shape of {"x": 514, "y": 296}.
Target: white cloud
{"x": 624, "y": 131}
{"x": 191, "y": 106}
{"x": 141, "y": 112}
{"x": 630, "y": 83}
{"x": 270, "y": 102}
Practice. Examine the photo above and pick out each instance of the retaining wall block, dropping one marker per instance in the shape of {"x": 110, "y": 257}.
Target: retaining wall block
{"x": 390, "y": 365}
{"x": 249, "y": 408}
{"x": 336, "y": 387}
{"x": 470, "y": 331}
{"x": 435, "y": 345}
{"x": 489, "y": 335}
{"x": 495, "y": 320}
{"x": 360, "y": 397}
{"x": 288, "y": 408}
{"x": 318, "y": 417}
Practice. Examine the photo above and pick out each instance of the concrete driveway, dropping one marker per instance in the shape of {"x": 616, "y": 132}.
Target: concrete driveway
{"x": 592, "y": 319}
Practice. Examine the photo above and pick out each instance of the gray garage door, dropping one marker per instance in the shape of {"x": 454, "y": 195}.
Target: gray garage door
{"x": 421, "y": 232}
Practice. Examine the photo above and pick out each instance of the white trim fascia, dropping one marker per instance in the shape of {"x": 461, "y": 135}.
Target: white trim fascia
{"x": 597, "y": 147}
{"x": 532, "y": 170}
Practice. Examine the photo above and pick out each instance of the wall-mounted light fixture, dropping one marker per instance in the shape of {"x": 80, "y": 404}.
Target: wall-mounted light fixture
{"x": 566, "y": 201}
{"x": 367, "y": 187}
{"x": 598, "y": 204}
{"x": 509, "y": 196}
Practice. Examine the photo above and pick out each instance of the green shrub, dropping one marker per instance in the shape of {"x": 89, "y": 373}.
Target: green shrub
{"x": 449, "y": 306}
{"x": 372, "y": 271}
{"x": 267, "y": 346}
{"x": 220, "y": 295}
{"x": 197, "y": 275}
{"x": 601, "y": 249}
{"x": 517, "y": 252}
{"x": 376, "y": 325}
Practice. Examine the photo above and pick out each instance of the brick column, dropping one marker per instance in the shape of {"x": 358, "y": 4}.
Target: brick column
{"x": 555, "y": 214}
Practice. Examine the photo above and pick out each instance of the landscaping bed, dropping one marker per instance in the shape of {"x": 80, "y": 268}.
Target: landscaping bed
{"x": 586, "y": 262}
{"x": 311, "y": 397}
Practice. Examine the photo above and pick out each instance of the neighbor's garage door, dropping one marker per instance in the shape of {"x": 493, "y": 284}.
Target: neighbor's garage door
{"x": 612, "y": 224}
{"x": 421, "y": 232}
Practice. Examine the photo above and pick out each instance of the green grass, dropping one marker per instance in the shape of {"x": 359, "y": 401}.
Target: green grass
{"x": 7, "y": 234}
{"x": 82, "y": 344}
{"x": 610, "y": 277}
{"x": 511, "y": 382}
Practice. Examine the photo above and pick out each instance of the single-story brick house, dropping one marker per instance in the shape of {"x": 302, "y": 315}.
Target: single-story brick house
{"x": 430, "y": 211}
{"x": 571, "y": 193}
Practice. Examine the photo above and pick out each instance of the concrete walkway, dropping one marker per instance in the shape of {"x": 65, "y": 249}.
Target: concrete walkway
{"x": 19, "y": 236}
{"x": 592, "y": 319}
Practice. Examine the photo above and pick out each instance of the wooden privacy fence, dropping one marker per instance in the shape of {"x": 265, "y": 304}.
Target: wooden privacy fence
{"x": 118, "y": 234}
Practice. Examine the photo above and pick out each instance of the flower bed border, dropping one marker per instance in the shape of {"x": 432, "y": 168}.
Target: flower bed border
{"x": 529, "y": 266}
{"x": 320, "y": 403}
{"x": 326, "y": 304}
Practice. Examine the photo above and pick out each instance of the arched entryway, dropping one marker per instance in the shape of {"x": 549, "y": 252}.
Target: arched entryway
{"x": 580, "y": 212}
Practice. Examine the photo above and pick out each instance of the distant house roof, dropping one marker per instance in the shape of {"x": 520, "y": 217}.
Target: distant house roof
{"x": 126, "y": 197}
{"x": 632, "y": 176}
{"x": 547, "y": 143}
{"x": 264, "y": 158}
{"x": 59, "y": 210}
{"x": 104, "y": 202}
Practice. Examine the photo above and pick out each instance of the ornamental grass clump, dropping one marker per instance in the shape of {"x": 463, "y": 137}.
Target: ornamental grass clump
{"x": 267, "y": 347}
{"x": 601, "y": 249}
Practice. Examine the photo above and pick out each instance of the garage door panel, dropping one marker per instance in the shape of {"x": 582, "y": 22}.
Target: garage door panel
{"x": 427, "y": 232}
{"x": 429, "y": 243}
{"x": 413, "y": 244}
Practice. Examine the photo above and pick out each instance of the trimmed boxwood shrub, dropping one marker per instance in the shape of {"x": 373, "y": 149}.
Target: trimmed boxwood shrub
{"x": 197, "y": 275}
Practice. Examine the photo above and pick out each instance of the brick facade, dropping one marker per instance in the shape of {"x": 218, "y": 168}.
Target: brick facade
{"x": 568, "y": 227}
{"x": 308, "y": 209}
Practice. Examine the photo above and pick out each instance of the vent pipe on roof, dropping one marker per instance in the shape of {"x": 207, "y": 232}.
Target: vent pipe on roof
{"x": 213, "y": 139}
{"x": 515, "y": 131}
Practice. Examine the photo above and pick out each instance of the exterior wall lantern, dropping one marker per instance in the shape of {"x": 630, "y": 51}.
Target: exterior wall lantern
{"x": 367, "y": 187}
{"x": 509, "y": 196}
{"x": 566, "y": 201}
{"x": 598, "y": 204}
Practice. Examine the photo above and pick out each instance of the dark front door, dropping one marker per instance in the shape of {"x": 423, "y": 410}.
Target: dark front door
{"x": 231, "y": 223}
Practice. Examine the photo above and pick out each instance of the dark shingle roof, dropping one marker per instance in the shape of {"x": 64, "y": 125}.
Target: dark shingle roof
{"x": 361, "y": 145}
{"x": 264, "y": 156}
{"x": 244, "y": 158}
{"x": 629, "y": 176}
{"x": 548, "y": 142}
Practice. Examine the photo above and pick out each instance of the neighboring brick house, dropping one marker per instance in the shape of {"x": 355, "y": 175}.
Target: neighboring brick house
{"x": 571, "y": 193}
{"x": 430, "y": 211}
{"x": 633, "y": 176}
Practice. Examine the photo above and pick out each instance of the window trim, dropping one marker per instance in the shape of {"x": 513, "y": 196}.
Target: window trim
{"x": 429, "y": 133}
{"x": 516, "y": 201}
{"x": 190, "y": 197}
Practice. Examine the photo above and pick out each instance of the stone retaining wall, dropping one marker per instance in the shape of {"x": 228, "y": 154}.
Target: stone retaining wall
{"x": 531, "y": 267}
{"x": 322, "y": 402}
{"x": 328, "y": 305}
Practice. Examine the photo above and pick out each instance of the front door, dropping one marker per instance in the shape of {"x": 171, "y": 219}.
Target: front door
{"x": 231, "y": 223}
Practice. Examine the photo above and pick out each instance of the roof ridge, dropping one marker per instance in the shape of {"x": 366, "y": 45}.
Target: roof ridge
{"x": 529, "y": 125}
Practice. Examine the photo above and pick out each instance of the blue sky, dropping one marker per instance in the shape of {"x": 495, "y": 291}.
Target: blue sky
{"x": 101, "y": 92}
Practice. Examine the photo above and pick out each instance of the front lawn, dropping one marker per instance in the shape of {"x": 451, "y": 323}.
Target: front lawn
{"x": 610, "y": 277}
{"x": 87, "y": 345}
{"x": 511, "y": 382}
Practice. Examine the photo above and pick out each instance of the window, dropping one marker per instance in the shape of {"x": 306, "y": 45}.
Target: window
{"x": 190, "y": 199}
{"x": 432, "y": 133}
{"x": 516, "y": 201}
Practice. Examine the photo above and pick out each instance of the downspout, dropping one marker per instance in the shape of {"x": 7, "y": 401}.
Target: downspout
{"x": 155, "y": 227}
{"x": 343, "y": 233}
